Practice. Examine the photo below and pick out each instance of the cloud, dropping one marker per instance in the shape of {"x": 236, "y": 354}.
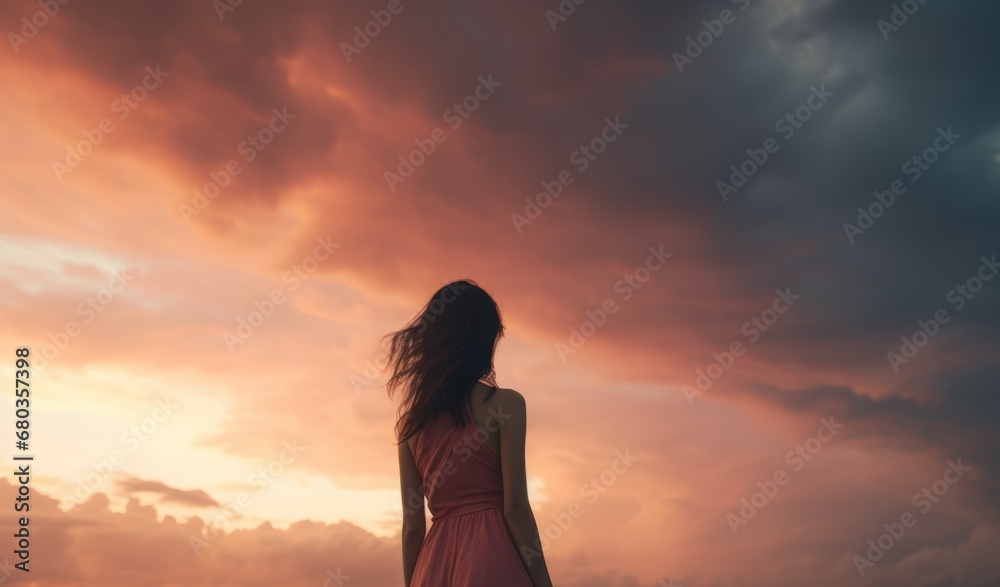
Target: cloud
{"x": 190, "y": 497}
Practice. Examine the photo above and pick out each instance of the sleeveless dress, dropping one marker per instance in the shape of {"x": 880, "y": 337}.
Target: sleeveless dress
{"x": 468, "y": 544}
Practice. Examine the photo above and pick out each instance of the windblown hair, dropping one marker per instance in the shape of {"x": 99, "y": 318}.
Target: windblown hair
{"x": 438, "y": 357}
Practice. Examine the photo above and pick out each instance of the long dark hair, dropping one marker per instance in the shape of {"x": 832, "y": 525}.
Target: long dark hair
{"x": 439, "y": 356}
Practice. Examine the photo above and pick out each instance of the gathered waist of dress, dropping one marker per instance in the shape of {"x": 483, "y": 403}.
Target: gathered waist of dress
{"x": 465, "y": 510}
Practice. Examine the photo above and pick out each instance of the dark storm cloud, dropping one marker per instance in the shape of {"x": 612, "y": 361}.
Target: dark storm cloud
{"x": 892, "y": 99}
{"x": 953, "y": 413}
{"x": 656, "y": 183}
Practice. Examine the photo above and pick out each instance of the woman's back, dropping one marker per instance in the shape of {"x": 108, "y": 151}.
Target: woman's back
{"x": 460, "y": 467}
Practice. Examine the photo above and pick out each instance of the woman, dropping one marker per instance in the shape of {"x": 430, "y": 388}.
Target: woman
{"x": 461, "y": 444}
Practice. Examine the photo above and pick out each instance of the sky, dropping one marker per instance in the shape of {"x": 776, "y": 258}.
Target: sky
{"x": 744, "y": 251}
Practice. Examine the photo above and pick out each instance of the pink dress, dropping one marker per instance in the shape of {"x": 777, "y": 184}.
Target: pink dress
{"x": 468, "y": 544}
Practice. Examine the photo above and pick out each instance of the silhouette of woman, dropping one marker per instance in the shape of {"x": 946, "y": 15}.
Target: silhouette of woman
{"x": 461, "y": 444}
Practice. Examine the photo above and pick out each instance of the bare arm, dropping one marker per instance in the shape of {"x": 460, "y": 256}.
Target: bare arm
{"x": 414, "y": 523}
{"x": 517, "y": 510}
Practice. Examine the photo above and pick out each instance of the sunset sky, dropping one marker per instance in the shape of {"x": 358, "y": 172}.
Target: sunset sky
{"x": 748, "y": 244}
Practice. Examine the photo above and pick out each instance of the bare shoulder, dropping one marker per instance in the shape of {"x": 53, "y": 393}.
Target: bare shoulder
{"x": 509, "y": 400}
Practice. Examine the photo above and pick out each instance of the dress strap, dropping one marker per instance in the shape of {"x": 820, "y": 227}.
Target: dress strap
{"x": 468, "y": 405}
